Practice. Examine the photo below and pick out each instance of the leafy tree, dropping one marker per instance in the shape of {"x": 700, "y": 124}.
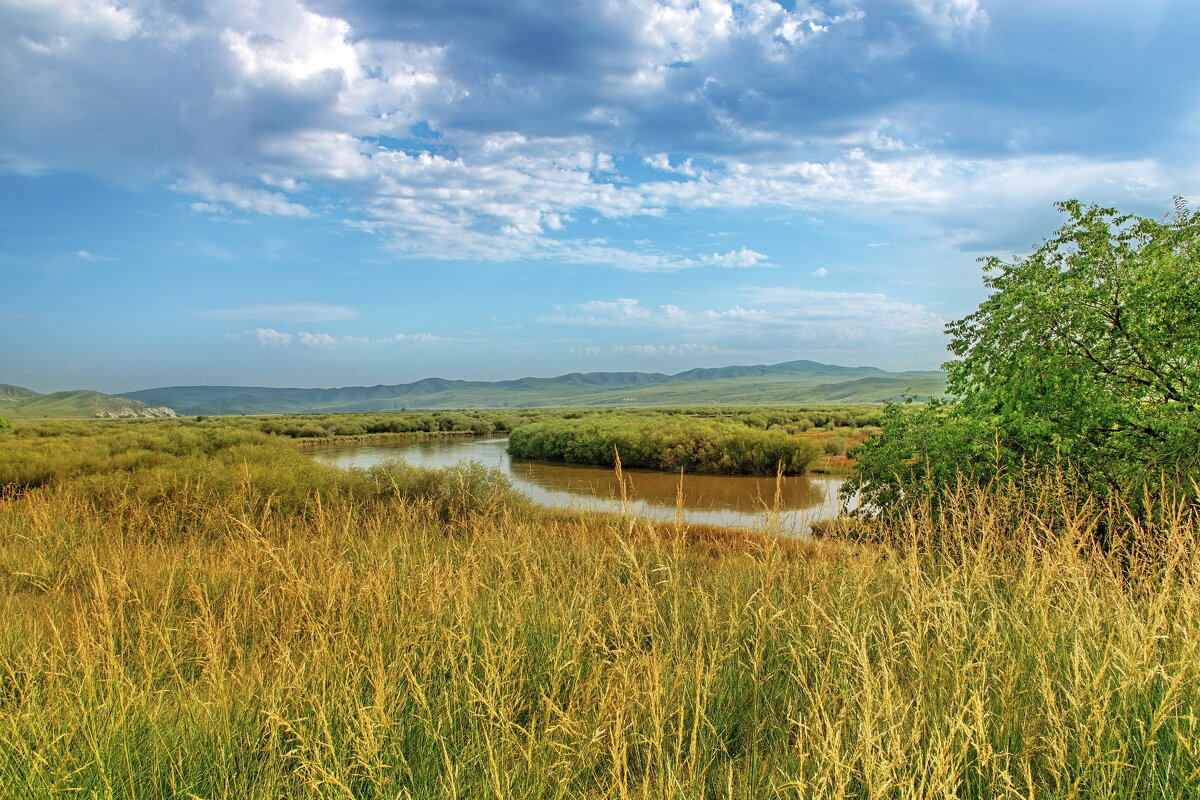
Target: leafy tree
{"x": 1086, "y": 355}
{"x": 1090, "y": 347}
{"x": 5, "y": 424}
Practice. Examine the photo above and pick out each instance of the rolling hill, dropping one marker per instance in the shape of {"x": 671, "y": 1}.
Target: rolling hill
{"x": 18, "y": 402}
{"x": 793, "y": 382}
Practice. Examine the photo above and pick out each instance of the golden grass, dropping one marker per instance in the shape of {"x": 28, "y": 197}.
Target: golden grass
{"x": 193, "y": 643}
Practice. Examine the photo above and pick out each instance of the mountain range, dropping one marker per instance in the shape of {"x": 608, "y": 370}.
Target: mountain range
{"x": 793, "y": 382}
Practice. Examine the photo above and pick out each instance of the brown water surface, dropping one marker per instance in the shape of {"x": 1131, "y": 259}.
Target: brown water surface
{"x": 786, "y": 507}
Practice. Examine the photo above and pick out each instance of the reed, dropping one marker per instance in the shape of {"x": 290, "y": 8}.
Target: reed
{"x": 234, "y": 634}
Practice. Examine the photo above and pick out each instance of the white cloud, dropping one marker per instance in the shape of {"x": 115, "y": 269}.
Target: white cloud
{"x": 219, "y": 196}
{"x": 621, "y": 308}
{"x": 255, "y": 108}
{"x": 284, "y": 312}
{"x": 734, "y": 258}
{"x": 329, "y": 340}
{"x": 269, "y": 337}
{"x": 322, "y": 339}
{"x": 415, "y": 337}
{"x": 819, "y": 272}
{"x": 951, "y": 18}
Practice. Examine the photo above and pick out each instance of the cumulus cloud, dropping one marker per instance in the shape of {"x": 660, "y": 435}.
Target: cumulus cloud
{"x": 459, "y": 134}
{"x": 744, "y": 257}
{"x": 819, "y": 272}
{"x": 621, "y": 308}
{"x": 269, "y": 337}
{"x": 325, "y": 340}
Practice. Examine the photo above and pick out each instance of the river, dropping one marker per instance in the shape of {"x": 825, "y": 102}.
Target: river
{"x": 729, "y": 500}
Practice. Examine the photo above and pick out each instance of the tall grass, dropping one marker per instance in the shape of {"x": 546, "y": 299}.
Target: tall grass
{"x": 215, "y": 641}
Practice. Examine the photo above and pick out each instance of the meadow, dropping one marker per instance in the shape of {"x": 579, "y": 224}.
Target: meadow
{"x": 196, "y": 609}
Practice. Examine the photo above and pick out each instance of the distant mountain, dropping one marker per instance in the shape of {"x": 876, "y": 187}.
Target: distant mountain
{"x": 792, "y": 382}
{"x": 21, "y": 403}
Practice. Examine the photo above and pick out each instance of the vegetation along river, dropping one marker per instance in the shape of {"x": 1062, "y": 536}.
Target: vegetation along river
{"x": 730, "y": 500}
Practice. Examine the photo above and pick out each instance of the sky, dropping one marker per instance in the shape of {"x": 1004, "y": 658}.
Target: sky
{"x": 354, "y": 192}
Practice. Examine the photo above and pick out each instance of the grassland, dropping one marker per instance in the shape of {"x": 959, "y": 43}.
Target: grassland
{"x": 192, "y": 610}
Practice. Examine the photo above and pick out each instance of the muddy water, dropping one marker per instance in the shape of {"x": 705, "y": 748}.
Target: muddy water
{"x": 732, "y": 500}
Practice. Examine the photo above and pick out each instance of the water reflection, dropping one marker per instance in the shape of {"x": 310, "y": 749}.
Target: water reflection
{"x": 700, "y": 492}
{"x": 732, "y": 500}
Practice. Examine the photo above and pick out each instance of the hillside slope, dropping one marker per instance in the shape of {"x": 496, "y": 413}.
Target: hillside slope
{"x": 21, "y": 403}
{"x": 12, "y": 394}
{"x": 791, "y": 382}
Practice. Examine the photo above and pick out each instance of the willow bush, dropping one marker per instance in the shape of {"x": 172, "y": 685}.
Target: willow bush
{"x": 667, "y": 443}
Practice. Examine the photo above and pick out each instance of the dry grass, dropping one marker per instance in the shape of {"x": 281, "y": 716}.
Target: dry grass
{"x": 196, "y": 644}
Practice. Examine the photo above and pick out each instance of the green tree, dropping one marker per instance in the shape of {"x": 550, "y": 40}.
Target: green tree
{"x": 1086, "y": 355}
{"x": 1090, "y": 347}
{"x": 5, "y": 424}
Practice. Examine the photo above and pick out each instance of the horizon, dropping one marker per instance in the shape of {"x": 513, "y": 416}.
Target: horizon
{"x": 332, "y": 193}
{"x": 445, "y": 378}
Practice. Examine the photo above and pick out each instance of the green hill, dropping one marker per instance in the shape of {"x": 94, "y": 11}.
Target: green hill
{"x": 13, "y": 394}
{"x": 791, "y": 382}
{"x": 20, "y": 403}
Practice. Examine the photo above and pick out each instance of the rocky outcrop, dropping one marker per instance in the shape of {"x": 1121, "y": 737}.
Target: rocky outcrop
{"x": 135, "y": 411}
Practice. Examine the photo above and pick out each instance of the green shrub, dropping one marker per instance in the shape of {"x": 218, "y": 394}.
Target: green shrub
{"x": 676, "y": 443}
{"x": 836, "y": 446}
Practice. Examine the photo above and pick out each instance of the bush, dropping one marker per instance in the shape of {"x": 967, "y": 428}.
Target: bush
{"x": 836, "y": 446}
{"x": 677, "y": 443}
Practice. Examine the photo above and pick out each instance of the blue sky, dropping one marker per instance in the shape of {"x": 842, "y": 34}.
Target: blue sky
{"x": 338, "y": 192}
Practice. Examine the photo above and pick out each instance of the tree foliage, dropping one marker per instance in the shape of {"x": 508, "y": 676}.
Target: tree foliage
{"x": 5, "y": 424}
{"x": 1086, "y": 356}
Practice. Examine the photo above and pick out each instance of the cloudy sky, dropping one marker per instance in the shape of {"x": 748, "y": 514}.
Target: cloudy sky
{"x": 335, "y": 192}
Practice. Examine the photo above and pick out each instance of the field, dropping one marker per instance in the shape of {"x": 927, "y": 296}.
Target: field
{"x": 196, "y": 609}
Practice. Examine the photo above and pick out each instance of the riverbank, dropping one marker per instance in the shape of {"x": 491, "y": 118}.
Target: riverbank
{"x": 382, "y": 437}
{"x": 785, "y": 504}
